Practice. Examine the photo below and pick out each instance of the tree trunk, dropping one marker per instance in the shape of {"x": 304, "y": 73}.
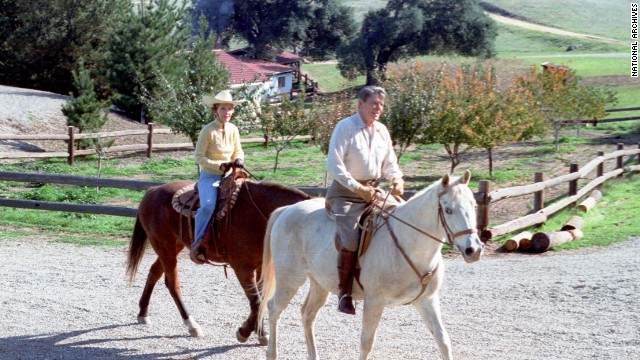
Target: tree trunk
{"x": 275, "y": 166}
{"x": 371, "y": 77}
{"x": 556, "y": 135}
{"x": 490, "y": 161}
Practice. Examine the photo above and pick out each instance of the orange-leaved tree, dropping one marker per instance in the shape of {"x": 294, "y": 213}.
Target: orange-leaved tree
{"x": 499, "y": 117}
{"x": 411, "y": 105}
{"x": 561, "y": 98}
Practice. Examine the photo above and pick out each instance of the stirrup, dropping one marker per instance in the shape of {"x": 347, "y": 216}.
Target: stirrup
{"x": 197, "y": 256}
{"x": 345, "y": 304}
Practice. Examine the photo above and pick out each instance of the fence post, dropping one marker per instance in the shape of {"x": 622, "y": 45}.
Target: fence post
{"x": 482, "y": 217}
{"x": 70, "y": 145}
{"x": 573, "y": 184}
{"x": 538, "y": 196}
{"x": 600, "y": 170}
{"x": 149, "y": 139}
{"x": 619, "y": 161}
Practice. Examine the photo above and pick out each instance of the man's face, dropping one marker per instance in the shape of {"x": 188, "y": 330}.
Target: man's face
{"x": 371, "y": 109}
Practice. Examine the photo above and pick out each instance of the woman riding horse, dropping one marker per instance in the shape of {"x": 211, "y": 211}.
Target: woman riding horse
{"x": 218, "y": 150}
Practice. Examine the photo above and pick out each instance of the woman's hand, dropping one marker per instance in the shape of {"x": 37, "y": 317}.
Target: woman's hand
{"x": 238, "y": 163}
{"x": 226, "y": 166}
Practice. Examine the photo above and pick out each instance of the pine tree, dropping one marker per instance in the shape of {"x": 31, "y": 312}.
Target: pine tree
{"x": 84, "y": 111}
{"x": 141, "y": 47}
{"x": 177, "y": 101}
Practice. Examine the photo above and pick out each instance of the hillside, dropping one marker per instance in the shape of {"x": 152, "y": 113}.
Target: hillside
{"x": 606, "y": 18}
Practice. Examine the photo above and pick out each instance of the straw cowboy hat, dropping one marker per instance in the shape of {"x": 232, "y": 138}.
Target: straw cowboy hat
{"x": 223, "y": 97}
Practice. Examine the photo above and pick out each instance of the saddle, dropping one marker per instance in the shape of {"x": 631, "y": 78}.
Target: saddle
{"x": 186, "y": 200}
{"x": 370, "y": 221}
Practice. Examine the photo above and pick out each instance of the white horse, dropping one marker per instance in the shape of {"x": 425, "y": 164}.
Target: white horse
{"x": 402, "y": 265}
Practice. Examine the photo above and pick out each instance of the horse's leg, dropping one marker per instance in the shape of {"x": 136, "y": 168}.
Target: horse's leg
{"x": 171, "y": 280}
{"x": 247, "y": 279}
{"x": 286, "y": 288}
{"x": 371, "y": 314}
{"x": 155, "y": 273}
{"x": 316, "y": 298}
{"x": 429, "y": 310}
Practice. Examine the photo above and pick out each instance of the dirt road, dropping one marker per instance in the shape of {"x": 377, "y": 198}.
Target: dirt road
{"x": 531, "y": 26}
{"x": 63, "y": 301}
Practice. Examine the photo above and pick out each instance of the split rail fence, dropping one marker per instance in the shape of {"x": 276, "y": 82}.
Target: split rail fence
{"x": 485, "y": 196}
{"x": 71, "y": 137}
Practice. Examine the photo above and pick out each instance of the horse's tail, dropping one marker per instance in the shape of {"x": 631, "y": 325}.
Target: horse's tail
{"x": 136, "y": 249}
{"x": 268, "y": 276}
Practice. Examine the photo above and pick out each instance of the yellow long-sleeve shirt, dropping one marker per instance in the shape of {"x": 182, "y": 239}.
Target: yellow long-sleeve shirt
{"x": 217, "y": 145}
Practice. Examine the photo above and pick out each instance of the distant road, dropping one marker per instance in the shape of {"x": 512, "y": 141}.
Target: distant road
{"x": 609, "y": 55}
{"x": 531, "y": 26}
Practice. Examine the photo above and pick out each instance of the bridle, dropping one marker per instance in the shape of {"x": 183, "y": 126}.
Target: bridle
{"x": 424, "y": 278}
{"x": 450, "y": 234}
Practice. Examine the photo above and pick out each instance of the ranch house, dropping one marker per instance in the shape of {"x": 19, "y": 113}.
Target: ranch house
{"x": 272, "y": 79}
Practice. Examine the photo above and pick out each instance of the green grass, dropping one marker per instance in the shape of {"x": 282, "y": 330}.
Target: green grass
{"x": 85, "y": 225}
{"x": 513, "y": 41}
{"x": 329, "y": 78}
{"x": 606, "y": 18}
{"x": 587, "y": 66}
{"x": 620, "y": 197}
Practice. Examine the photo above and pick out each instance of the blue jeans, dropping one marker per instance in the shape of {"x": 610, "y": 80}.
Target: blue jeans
{"x": 208, "y": 191}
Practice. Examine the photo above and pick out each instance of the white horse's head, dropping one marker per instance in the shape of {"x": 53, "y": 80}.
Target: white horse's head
{"x": 458, "y": 216}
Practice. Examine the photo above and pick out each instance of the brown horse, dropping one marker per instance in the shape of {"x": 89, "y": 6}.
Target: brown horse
{"x": 237, "y": 240}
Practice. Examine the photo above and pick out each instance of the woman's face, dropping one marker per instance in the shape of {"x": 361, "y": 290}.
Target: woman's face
{"x": 224, "y": 112}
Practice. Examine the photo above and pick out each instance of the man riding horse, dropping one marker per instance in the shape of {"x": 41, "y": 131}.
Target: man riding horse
{"x": 360, "y": 152}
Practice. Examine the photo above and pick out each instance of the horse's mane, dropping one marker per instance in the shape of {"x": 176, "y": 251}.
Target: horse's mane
{"x": 453, "y": 180}
{"x": 281, "y": 187}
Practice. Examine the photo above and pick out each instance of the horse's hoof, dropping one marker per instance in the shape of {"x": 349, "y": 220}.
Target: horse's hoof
{"x": 143, "y": 320}
{"x": 241, "y": 338}
{"x": 194, "y": 328}
{"x": 196, "y": 332}
{"x": 263, "y": 340}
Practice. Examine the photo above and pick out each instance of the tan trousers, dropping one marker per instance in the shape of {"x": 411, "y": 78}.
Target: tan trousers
{"x": 347, "y": 207}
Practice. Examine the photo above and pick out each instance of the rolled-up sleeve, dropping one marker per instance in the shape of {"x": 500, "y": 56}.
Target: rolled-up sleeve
{"x": 390, "y": 168}
{"x": 237, "y": 146}
{"x": 338, "y": 148}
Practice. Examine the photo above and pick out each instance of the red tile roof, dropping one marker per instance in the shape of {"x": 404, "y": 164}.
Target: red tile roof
{"x": 243, "y": 69}
{"x": 282, "y": 57}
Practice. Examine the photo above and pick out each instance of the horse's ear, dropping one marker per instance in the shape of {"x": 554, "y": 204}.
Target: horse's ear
{"x": 445, "y": 180}
{"x": 466, "y": 177}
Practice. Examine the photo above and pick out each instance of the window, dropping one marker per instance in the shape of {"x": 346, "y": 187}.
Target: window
{"x": 281, "y": 82}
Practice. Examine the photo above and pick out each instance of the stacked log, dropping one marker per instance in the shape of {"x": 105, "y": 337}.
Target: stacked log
{"x": 574, "y": 222}
{"x": 514, "y": 242}
{"x": 541, "y": 242}
{"x": 591, "y": 201}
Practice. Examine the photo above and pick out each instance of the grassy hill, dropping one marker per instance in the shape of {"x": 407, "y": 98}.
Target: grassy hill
{"x": 607, "y": 18}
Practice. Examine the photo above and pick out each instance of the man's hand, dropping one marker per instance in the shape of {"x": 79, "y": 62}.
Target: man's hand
{"x": 397, "y": 186}
{"x": 224, "y": 167}
{"x": 238, "y": 163}
{"x": 366, "y": 193}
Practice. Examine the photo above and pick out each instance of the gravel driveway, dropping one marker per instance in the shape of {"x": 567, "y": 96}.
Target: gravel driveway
{"x": 63, "y": 301}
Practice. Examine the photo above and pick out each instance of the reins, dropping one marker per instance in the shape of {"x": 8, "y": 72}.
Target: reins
{"x": 424, "y": 279}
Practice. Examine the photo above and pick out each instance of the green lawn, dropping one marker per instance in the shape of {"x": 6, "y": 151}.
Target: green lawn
{"x": 607, "y": 18}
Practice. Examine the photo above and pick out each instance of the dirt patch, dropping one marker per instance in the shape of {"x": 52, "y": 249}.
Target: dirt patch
{"x": 72, "y": 302}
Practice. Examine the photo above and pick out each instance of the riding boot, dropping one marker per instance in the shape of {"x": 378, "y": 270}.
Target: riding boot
{"x": 346, "y": 262}
{"x": 196, "y": 253}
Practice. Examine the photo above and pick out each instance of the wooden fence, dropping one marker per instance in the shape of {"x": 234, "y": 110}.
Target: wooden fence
{"x": 71, "y": 137}
{"x": 485, "y": 197}
{"x": 595, "y": 122}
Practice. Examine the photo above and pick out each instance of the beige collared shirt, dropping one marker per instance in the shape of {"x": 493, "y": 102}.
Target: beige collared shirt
{"x": 355, "y": 154}
{"x": 217, "y": 145}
